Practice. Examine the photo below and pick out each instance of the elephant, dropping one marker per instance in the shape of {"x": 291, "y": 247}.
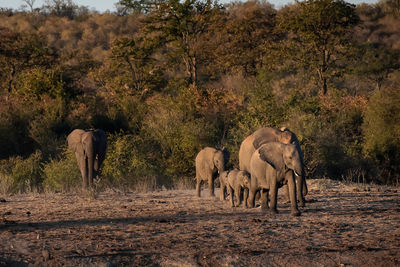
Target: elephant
{"x": 209, "y": 163}
{"x": 223, "y": 181}
{"x": 266, "y": 135}
{"x": 238, "y": 180}
{"x": 90, "y": 150}
{"x": 271, "y": 166}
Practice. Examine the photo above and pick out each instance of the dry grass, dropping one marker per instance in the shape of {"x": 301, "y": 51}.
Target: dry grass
{"x": 342, "y": 225}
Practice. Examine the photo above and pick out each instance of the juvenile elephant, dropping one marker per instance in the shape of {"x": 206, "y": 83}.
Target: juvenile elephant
{"x": 210, "y": 162}
{"x": 238, "y": 180}
{"x": 267, "y": 135}
{"x": 223, "y": 181}
{"x": 90, "y": 151}
{"x": 271, "y": 166}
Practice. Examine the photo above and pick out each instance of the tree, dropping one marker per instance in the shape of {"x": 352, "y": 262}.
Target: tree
{"x": 319, "y": 35}
{"x": 18, "y": 52}
{"x": 377, "y": 62}
{"x": 182, "y": 25}
{"x": 243, "y": 36}
{"x": 134, "y": 55}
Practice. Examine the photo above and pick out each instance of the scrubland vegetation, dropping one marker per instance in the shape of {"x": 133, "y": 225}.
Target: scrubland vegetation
{"x": 166, "y": 78}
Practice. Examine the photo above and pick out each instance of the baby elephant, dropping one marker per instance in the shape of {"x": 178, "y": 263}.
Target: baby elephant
{"x": 238, "y": 180}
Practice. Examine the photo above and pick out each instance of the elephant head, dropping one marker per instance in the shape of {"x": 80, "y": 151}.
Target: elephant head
{"x": 244, "y": 177}
{"x": 90, "y": 148}
{"x": 219, "y": 160}
{"x": 282, "y": 157}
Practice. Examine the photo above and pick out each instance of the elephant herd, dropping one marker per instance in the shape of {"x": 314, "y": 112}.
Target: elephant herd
{"x": 268, "y": 159}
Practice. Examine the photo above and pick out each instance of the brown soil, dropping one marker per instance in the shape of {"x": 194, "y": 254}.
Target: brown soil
{"x": 340, "y": 226}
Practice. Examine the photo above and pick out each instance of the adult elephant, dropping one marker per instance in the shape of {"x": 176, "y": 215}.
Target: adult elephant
{"x": 267, "y": 135}
{"x": 90, "y": 151}
{"x": 272, "y": 166}
{"x": 209, "y": 163}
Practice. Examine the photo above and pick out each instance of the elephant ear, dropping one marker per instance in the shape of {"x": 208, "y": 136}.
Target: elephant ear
{"x": 74, "y": 140}
{"x": 272, "y": 154}
{"x": 263, "y": 136}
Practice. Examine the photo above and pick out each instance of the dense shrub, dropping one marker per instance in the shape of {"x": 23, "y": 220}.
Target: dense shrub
{"x": 62, "y": 175}
{"x": 20, "y": 175}
{"x": 381, "y": 129}
{"x": 129, "y": 163}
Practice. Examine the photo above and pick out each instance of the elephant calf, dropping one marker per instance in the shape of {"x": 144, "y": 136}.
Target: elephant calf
{"x": 238, "y": 180}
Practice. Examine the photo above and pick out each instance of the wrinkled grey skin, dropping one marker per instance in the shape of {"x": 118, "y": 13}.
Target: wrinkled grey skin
{"x": 223, "y": 181}
{"x": 209, "y": 162}
{"x": 272, "y": 166}
{"x": 237, "y": 181}
{"x": 267, "y": 135}
{"x": 90, "y": 151}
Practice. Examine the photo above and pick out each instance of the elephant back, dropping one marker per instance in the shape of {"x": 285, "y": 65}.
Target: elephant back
{"x": 265, "y": 135}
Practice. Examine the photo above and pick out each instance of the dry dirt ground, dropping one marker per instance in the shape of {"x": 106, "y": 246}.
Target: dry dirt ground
{"x": 342, "y": 225}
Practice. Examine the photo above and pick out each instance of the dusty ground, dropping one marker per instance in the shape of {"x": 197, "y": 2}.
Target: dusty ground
{"x": 340, "y": 226}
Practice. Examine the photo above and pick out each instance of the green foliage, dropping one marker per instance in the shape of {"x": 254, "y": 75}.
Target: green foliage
{"x": 175, "y": 125}
{"x": 129, "y": 162}
{"x": 35, "y": 82}
{"x": 381, "y": 129}
{"x": 62, "y": 175}
{"x": 22, "y": 175}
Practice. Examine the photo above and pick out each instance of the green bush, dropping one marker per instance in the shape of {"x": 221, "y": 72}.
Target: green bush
{"x": 62, "y": 175}
{"x": 180, "y": 132}
{"x": 20, "y": 175}
{"x": 331, "y": 138}
{"x": 128, "y": 163}
{"x": 381, "y": 130}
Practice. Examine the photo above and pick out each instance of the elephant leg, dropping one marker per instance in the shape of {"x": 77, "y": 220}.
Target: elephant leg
{"x": 264, "y": 199}
{"x": 252, "y": 194}
{"x": 222, "y": 192}
{"x": 231, "y": 195}
{"x": 273, "y": 197}
{"x": 292, "y": 189}
{"x": 198, "y": 187}
{"x": 237, "y": 196}
{"x": 299, "y": 189}
{"x": 83, "y": 168}
{"x": 211, "y": 186}
{"x": 287, "y": 194}
{"x": 245, "y": 196}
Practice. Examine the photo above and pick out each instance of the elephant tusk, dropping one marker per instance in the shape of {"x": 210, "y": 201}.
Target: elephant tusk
{"x": 295, "y": 173}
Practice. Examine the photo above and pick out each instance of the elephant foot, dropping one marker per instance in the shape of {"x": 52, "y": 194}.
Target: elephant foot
{"x": 295, "y": 213}
{"x": 274, "y": 211}
{"x": 302, "y": 204}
